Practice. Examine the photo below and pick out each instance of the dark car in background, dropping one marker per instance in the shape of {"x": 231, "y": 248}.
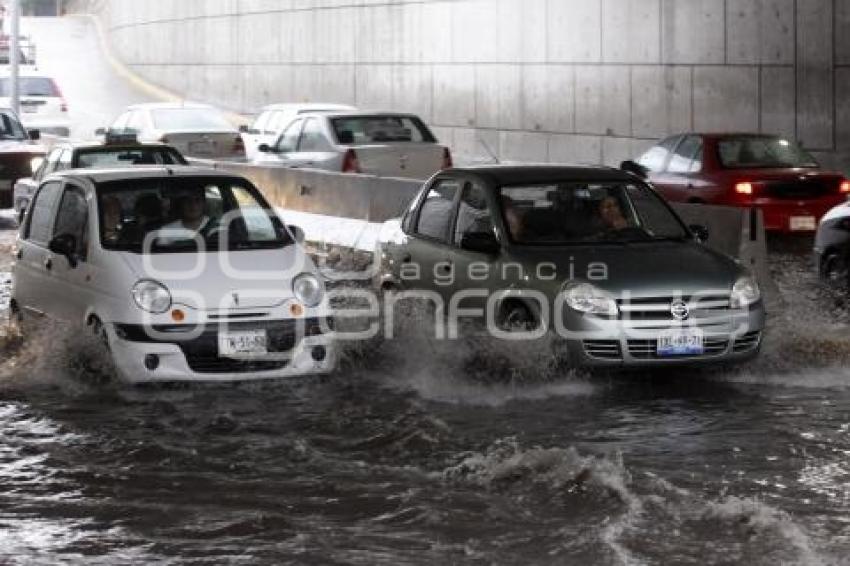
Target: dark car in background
{"x": 18, "y": 154}
{"x": 746, "y": 170}
{"x": 116, "y": 151}
{"x": 593, "y": 256}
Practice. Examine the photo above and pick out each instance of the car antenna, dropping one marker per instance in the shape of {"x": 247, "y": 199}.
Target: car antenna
{"x": 492, "y": 154}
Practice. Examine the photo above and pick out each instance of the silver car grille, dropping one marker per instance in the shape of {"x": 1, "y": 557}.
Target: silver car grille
{"x": 660, "y": 308}
{"x": 747, "y": 342}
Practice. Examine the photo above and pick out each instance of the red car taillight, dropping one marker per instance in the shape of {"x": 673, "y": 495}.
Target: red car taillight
{"x": 350, "y": 163}
{"x": 447, "y": 159}
{"x": 63, "y": 107}
{"x": 744, "y": 188}
{"x": 239, "y": 146}
{"x": 844, "y": 187}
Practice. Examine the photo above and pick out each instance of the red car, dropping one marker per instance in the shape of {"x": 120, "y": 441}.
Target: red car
{"x": 765, "y": 171}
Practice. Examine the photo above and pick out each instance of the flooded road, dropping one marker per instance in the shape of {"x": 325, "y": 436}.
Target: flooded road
{"x": 403, "y": 457}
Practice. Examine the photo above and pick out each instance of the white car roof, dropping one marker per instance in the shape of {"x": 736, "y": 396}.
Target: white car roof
{"x": 144, "y": 172}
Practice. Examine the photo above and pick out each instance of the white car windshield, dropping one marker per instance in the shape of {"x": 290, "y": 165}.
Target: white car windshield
{"x": 581, "y": 213}
{"x": 185, "y": 215}
{"x": 11, "y": 128}
{"x": 192, "y": 119}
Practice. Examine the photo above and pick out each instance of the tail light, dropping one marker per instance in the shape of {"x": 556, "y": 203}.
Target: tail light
{"x": 744, "y": 188}
{"x": 239, "y": 146}
{"x": 844, "y": 187}
{"x": 350, "y": 163}
{"x": 63, "y": 106}
{"x": 447, "y": 159}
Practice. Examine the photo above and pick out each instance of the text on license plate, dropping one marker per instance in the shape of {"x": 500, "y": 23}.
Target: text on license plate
{"x": 684, "y": 342}
{"x": 803, "y": 223}
{"x": 242, "y": 343}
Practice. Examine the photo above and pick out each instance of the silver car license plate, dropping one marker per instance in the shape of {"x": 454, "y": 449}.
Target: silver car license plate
{"x": 197, "y": 148}
{"x": 681, "y": 342}
{"x": 242, "y": 343}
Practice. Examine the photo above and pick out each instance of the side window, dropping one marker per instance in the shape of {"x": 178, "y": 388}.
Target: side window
{"x": 435, "y": 214}
{"x": 656, "y": 157}
{"x": 73, "y": 219}
{"x": 41, "y": 220}
{"x": 683, "y": 156}
{"x": 288, "y": 141}
{"x": 312, "y": 138}
{"x": 473, "y": 215}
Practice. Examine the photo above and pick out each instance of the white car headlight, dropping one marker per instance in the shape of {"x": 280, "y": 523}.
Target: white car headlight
{"x": 586, "y": 298}
{"x": 745, "y": 292}
{"x": 152, "y": 296}
{"x": 308, "y": 289}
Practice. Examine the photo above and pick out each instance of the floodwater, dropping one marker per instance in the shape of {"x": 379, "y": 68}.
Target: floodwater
{"x": 410, "y": 454}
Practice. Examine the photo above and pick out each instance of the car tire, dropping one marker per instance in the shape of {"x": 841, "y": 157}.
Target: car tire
{"x": 515, "y": 316}
{"x": 835, "y": 270}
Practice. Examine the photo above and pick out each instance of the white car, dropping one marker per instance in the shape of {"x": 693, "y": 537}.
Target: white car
{"x": 195, "y": 130}
{"x": 382, "y": 144}
{"x": 272, "y": 119}
{"x": 187, "y": 274}
{"x": 43, "y": 107}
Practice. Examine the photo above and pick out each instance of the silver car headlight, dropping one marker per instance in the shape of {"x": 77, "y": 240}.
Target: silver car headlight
{"x": 151, "y": 296}
{"x": 308, "y": 289}
{"x": 745, "y": 292}
{"x": 587, "y": 298}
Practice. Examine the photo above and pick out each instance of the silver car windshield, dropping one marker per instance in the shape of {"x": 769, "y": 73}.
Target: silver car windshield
{"x": 186, "y": 215}
{"x": 587, "y": 213}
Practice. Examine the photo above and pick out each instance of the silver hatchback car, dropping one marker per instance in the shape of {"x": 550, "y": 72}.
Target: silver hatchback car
{"x": 592, "y": 255}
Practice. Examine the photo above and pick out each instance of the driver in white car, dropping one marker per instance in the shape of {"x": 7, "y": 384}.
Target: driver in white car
{"x": 192, "y": 220}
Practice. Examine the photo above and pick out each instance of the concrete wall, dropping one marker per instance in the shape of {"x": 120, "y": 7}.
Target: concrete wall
{"x": 535, "y": 80}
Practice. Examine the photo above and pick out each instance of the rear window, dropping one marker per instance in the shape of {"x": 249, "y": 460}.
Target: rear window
{"x": 201, "y": 119}
{"x": 123, "y": 157}
{"x": 31, "y": 86}
{"x": 744, "y": 152}
{"x": 356, "y": 130}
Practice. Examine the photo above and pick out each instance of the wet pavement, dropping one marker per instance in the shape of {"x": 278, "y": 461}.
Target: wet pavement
{"x": 407, "y": 455}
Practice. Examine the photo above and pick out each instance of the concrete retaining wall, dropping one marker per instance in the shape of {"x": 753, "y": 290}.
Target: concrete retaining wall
{"x": 535, "y": 80}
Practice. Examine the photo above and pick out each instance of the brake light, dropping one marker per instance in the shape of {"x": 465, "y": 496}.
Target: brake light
{"x": 239, "y": 146}
{"x": 350, "y": 163}
{"x": 844, "y": 188}
{"x": 63, "y": 106}
{"x": 447, "y": 159}
{"x": 744, "y": 188}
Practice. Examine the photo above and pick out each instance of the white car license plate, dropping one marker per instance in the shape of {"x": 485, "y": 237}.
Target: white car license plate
{"x": 196, "y": 148}
{"x": 29, "y": 109}
{"x": 242, "y": 343}
{"x": 681, "y": 342}
{"x": 803, "y": 223}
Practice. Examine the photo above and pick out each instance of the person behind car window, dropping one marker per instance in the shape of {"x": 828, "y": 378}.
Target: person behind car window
{"x": 191, "y": 219}
{"x": 611, "y": 214}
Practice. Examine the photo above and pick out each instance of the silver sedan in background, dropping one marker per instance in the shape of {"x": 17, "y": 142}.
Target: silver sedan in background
{"x": 383, "y": 144}
{"x": 195, "y": 130}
